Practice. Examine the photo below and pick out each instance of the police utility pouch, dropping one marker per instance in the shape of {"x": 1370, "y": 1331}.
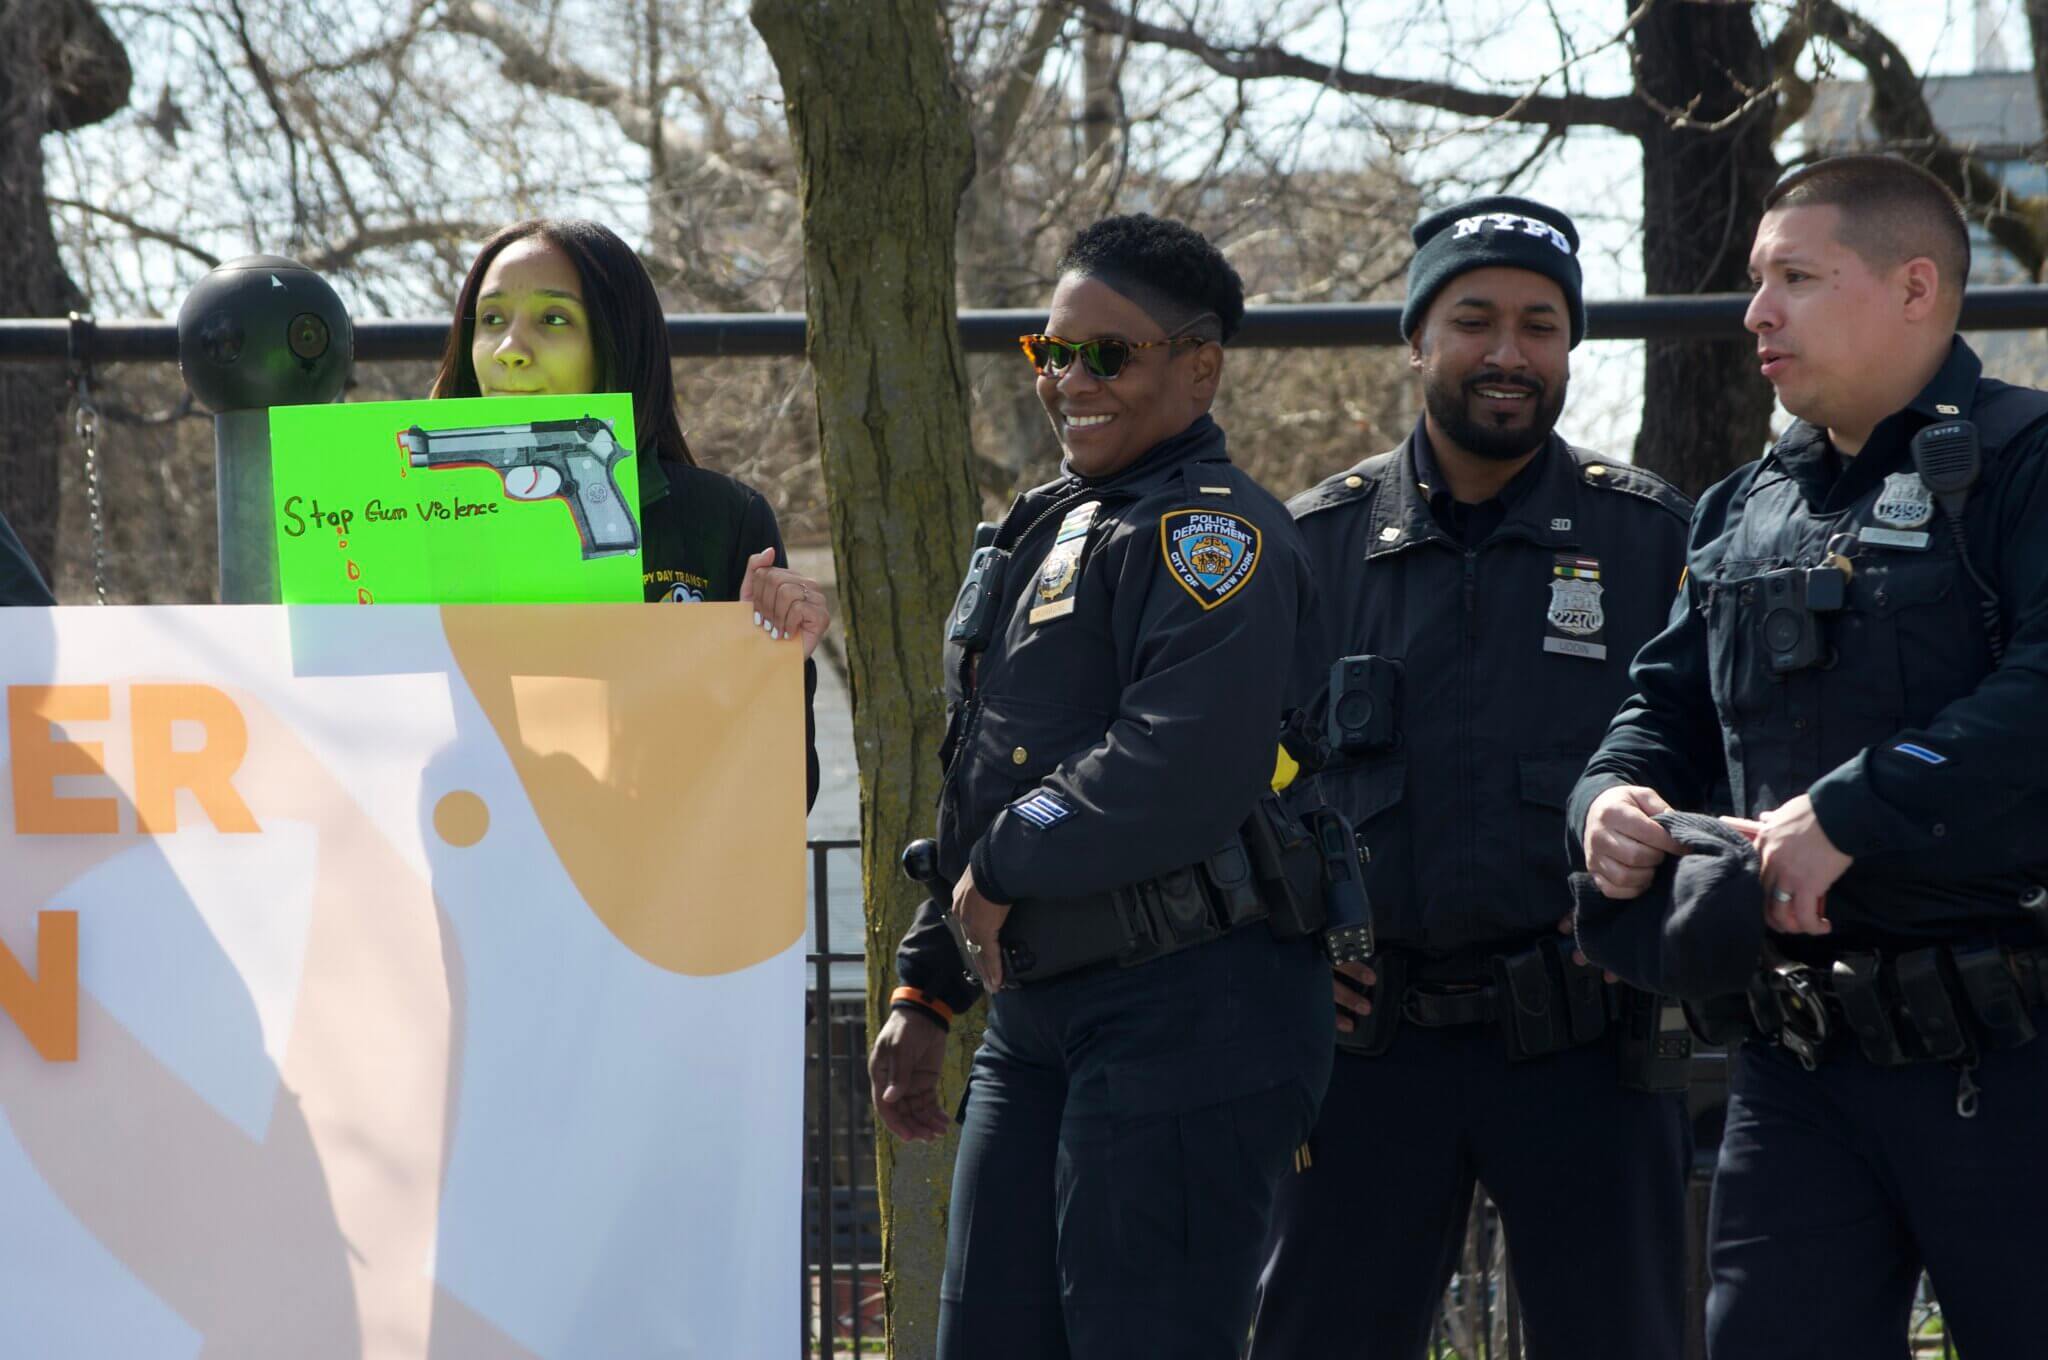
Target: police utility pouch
{"x": 1928, "y": 1007}
{"x": 1994, "y": 994}
{"x": 1363, "y": 713}
{"x": 1857, "y": 979}
{"x": 973, "y": 620}
{"x": 1531, "y": 1021}
{"x": 1654, "y": 1048}
{"x": 1230, "y": 875}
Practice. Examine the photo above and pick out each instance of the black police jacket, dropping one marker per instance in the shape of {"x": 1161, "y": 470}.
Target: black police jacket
{"x": 20, "y": 582}
{"x": 699, "y": 528}
{"x": 1124, "y": 718}
{"x": 1514, "y": 655}
{"x": 1924, "y": 760}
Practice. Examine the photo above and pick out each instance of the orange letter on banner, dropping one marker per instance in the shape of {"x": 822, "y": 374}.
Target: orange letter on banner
{"x": 39, "y": 760}
{"x": 161, "y": 771}
{"x": 46, "y": 1006}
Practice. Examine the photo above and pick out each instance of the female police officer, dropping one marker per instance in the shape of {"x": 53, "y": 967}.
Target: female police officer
{"x": 1115, "y": 698}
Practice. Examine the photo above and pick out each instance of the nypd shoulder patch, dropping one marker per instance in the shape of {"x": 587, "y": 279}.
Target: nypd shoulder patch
{"x": 1211, "y": 554}
{"x": 1042, "y": 808}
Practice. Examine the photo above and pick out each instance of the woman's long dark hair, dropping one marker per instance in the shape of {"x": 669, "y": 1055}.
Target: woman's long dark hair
{"x": 627, "y": 328}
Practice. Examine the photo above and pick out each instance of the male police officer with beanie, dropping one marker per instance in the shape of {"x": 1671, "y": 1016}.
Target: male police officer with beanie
{"x": 1488, "y": 583}
{"x": 1861, "y": 649}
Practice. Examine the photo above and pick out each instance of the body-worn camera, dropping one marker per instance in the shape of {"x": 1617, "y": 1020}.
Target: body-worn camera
{"x": 1364, "y": 705}
{"x": 1794, "y": 598}
{"x": 1347, "y": 929}
{"x": 973, "y": 623}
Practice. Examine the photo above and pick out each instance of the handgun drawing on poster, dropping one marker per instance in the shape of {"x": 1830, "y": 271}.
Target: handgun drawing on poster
{"x": 566, "y": 460}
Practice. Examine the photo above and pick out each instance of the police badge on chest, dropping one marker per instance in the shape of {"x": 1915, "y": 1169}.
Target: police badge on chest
{"x": 1903, "y": 505}
{"x": 1576, "y": 621}
{"x": 1059, "y": 576}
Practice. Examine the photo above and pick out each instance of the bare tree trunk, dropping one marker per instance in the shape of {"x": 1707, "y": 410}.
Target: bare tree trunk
{"x": 1098, "y": 90}
{"x": 2037, "y": 38}
{"x": 1706, "y": 408}
{"x": 884, "y": 154}
{"x": 32, "y": 399}
{"x": 1023, "y": 450}
{"x": 60, "y": 68}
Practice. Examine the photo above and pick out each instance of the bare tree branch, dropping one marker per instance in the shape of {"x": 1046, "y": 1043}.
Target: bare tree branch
{"x": 2037, "y": 34}
{"x": 343, "y": 254}
{"x": 529, "y": 64}
{"x": 141, "y": 230}
{"x": 1898, "y": 108}
{"x": 1268, "y": 61}
{"x": 1795, "y": 99}
{"x": 1006, "y": 110}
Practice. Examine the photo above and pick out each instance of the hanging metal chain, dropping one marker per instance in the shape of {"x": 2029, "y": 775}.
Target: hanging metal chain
{"x": 86, "y": 421}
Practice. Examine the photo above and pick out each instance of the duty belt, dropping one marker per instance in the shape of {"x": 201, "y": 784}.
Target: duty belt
{"x": 1268, "y": 872}
{"x": 1941, "y": 1003}
{"x": 1541, "y": 1000}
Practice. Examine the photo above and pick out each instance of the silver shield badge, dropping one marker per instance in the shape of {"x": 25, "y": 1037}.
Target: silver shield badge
{"x": 1903, "y": 502}
{"x": 1575, "y": 607}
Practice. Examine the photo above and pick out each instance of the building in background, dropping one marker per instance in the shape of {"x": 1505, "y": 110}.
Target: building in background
{"x": 1994, "y": 112}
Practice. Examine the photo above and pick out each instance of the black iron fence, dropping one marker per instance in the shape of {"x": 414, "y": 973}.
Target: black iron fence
{"x": 1706, "y": 316}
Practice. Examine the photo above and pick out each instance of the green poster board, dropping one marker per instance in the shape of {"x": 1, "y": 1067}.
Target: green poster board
{"x": 524, "y": 500}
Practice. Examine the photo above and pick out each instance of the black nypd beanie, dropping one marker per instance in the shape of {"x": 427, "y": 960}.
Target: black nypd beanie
{"x": 1515, "y": 233}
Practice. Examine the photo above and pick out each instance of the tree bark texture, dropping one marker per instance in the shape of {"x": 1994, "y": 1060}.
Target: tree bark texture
{"x": 884, "y": 153}
{"x": 60, "y": 68}
{"x": 1706, "y": 408}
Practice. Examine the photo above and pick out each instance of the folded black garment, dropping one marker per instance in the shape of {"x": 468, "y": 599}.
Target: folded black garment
{"x": 1698, "y": 930}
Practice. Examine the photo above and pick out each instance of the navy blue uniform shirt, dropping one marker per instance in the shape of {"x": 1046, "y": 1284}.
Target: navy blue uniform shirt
{"x": 1924, "y": 761}
{"x": 1514, "y": 646}
{"x": 1126, "y": 715}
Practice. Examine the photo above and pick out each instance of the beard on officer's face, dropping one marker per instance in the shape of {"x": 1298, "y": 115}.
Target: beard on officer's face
{"x": 1500, "y": 435}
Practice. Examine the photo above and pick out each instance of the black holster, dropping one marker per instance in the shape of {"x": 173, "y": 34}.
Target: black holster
{"x": 1288, "y": 867}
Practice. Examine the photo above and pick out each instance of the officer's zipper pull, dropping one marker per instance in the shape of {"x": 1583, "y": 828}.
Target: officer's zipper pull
{"x": 1967, "y": 1091}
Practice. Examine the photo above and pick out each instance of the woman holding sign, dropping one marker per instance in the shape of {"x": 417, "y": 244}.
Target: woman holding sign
{"x": 565, "y": 306}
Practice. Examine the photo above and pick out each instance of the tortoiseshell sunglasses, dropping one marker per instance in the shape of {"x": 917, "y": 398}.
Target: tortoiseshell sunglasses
{"x": 1104, "y": 358}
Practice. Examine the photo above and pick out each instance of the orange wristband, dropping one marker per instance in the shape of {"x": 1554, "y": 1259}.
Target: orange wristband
{"x": 915, "y": 997}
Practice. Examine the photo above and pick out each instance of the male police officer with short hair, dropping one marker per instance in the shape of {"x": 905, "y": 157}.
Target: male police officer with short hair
{"x": 1861, "y": 649}
{"x": 1487, "y": 584}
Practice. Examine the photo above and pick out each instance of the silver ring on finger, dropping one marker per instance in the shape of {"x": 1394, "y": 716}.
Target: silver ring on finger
{"x": 1780, "y": 895}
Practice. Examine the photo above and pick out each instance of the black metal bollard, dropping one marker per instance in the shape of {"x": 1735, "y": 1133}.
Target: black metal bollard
{"x": 258, "y": 332}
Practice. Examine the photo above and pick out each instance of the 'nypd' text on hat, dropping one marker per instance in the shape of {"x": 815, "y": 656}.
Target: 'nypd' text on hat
{"x": 1500, "y": 231}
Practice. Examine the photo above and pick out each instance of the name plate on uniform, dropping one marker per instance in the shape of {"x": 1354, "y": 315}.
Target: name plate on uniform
{"x": 1576, "y": 619}
{"x": 1059, "y": 576}
{"x": 1914, "y": 540}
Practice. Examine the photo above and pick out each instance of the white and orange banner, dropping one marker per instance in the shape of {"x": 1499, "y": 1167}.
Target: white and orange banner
{"x": 410, "y": 983}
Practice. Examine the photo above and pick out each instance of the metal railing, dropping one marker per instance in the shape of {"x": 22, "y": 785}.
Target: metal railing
{"x": 842, "y": 1238}
{"x": 1705, "y": 316}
